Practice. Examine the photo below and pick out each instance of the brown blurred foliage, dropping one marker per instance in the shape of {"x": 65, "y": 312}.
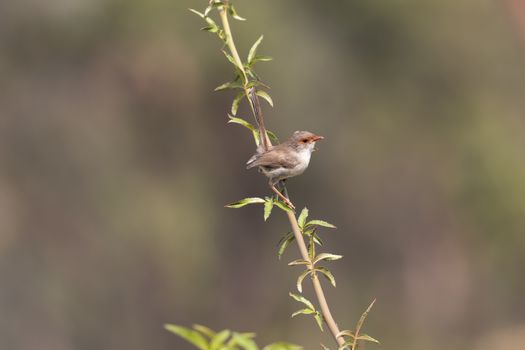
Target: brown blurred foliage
{"x": 116, "y": 161}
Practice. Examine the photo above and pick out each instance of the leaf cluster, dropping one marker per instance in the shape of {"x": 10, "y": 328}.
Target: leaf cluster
{"x": 308, "y": 310}
{"x": 245, "y": 76}
{"x": 308, "y": 229}
{"x": 269, "y": 203}
{"x": 253, "y": 129}
{"x": 204, "y": 338}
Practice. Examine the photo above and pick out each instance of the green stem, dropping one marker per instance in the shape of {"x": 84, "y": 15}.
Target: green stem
{"x": 250, "y": 93}
{"x": 319, "y": 293}
{"x": 231, "y": 45}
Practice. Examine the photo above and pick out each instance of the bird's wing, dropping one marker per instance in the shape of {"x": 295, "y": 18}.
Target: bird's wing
{"x": 274, "y": 158}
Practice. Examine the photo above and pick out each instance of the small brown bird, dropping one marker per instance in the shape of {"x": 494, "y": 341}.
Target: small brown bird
{"x": 288, "y": 159}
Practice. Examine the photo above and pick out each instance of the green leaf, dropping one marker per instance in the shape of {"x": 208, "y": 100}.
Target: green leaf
{"x": 308, "y": 233}
{"x": 232, "y": 60}
{"x": 320, "y": 223}
{"x": 303, "y": 300}
{"x": 253, "y": 49}
{"x": 229, "y": 85}
{"x": 212, "y": 26}
{"x": 301, "y": 278}
{"x": 189, "y": 335}
{"x": 284, "y": 243}
{"x": 204, "y": 330}
{"x": 259, "y": 58}
{"x": 233, "y": 13}
{"x": 317, "y": 239}
{"x": 265, "y": 95}
{"x": 254, "y": 83}
{"x": 282, "y": 346}
{"x": 217, "y": 341}
{"x": 222, "y": 35}
{"x": 319, "y": 320}
{"x": 237, "y": 101}
{"x": 256, "y": 59}
{"x": 303, "y": 312}
{"x": 247, "y": 125}
{"x": 210, "y": 21}
{"x": 245, "y": 201}
{"x": 256, "y": 137}
{"x": 211, "y": 6}
{"x": 282, "y": 206}
{"x": 327, "y": 274}
{"x": 363, "y": 317}
{"x": 302, "y": 217}
{"x": 345, "y": 333}
{"x": 233, "y": 340}
{"x": 327, "y": 257}
{"x": 244, "y": 341}
{"x": 240, "y": 121}
{"x": 286, "y": 236}
{"x": 366, "y": 337}
{"x": 311, "y": 248}
{"x": 249, "y": 335}
{"x": 298, "y": 262}
{"x": 211, "y": 29}
{"x": 268, "y": 206}
{"x": 272, "y": 136}
{"x": 201, "y": 15}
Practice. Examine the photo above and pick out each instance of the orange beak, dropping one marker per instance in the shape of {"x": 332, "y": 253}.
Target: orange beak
{"x": 317, "y": 138}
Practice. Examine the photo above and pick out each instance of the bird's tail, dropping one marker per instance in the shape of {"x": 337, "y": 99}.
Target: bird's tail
{"x": 251, "y": 162}
{"x": 263, "y": 136}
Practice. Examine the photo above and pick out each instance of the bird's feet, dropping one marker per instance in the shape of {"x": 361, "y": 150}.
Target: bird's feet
{"x": 288, "y": 203}
{"x": 280, "y": 195}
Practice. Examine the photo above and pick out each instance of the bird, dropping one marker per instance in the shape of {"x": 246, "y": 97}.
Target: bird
{"x": 285, "y": 160}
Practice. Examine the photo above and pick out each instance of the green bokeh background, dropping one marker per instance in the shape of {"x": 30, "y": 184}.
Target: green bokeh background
{"x": 116, "y": 162}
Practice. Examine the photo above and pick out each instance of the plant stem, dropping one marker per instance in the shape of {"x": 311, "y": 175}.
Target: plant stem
{"x": 252, "y": 99}
{"x": 325, "y": 309}
{"x": 251, "y": 96}
{"x": 231, "y": 45}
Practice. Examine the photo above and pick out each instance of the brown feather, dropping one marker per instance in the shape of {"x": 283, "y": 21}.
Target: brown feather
{"x": 275, "y": 157}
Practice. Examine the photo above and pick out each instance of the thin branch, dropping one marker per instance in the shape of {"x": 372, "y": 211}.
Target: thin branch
{"x": 325, "y": 309}
{"x": 257, "y": 113}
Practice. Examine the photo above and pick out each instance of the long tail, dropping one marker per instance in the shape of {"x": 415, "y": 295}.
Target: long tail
{"x": 263, "y": 136}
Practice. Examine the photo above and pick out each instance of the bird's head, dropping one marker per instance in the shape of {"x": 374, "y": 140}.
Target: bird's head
{"x": 304, "y": 140}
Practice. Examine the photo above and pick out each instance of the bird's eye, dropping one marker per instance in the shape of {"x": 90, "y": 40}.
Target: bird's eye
{"x": 304, "y": 140}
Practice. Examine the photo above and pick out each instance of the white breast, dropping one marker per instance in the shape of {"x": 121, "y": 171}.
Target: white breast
{"x": 304, "y": 160}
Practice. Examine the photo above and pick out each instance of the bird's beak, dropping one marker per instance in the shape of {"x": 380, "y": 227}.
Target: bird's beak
{"x": 317, "y": 138}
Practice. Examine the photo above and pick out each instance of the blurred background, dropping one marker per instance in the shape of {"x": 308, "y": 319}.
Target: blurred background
{"x": 116, "y": 161}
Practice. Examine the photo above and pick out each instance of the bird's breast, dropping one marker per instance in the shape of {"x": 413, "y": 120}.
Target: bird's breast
{"x": 302, "y": 164}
